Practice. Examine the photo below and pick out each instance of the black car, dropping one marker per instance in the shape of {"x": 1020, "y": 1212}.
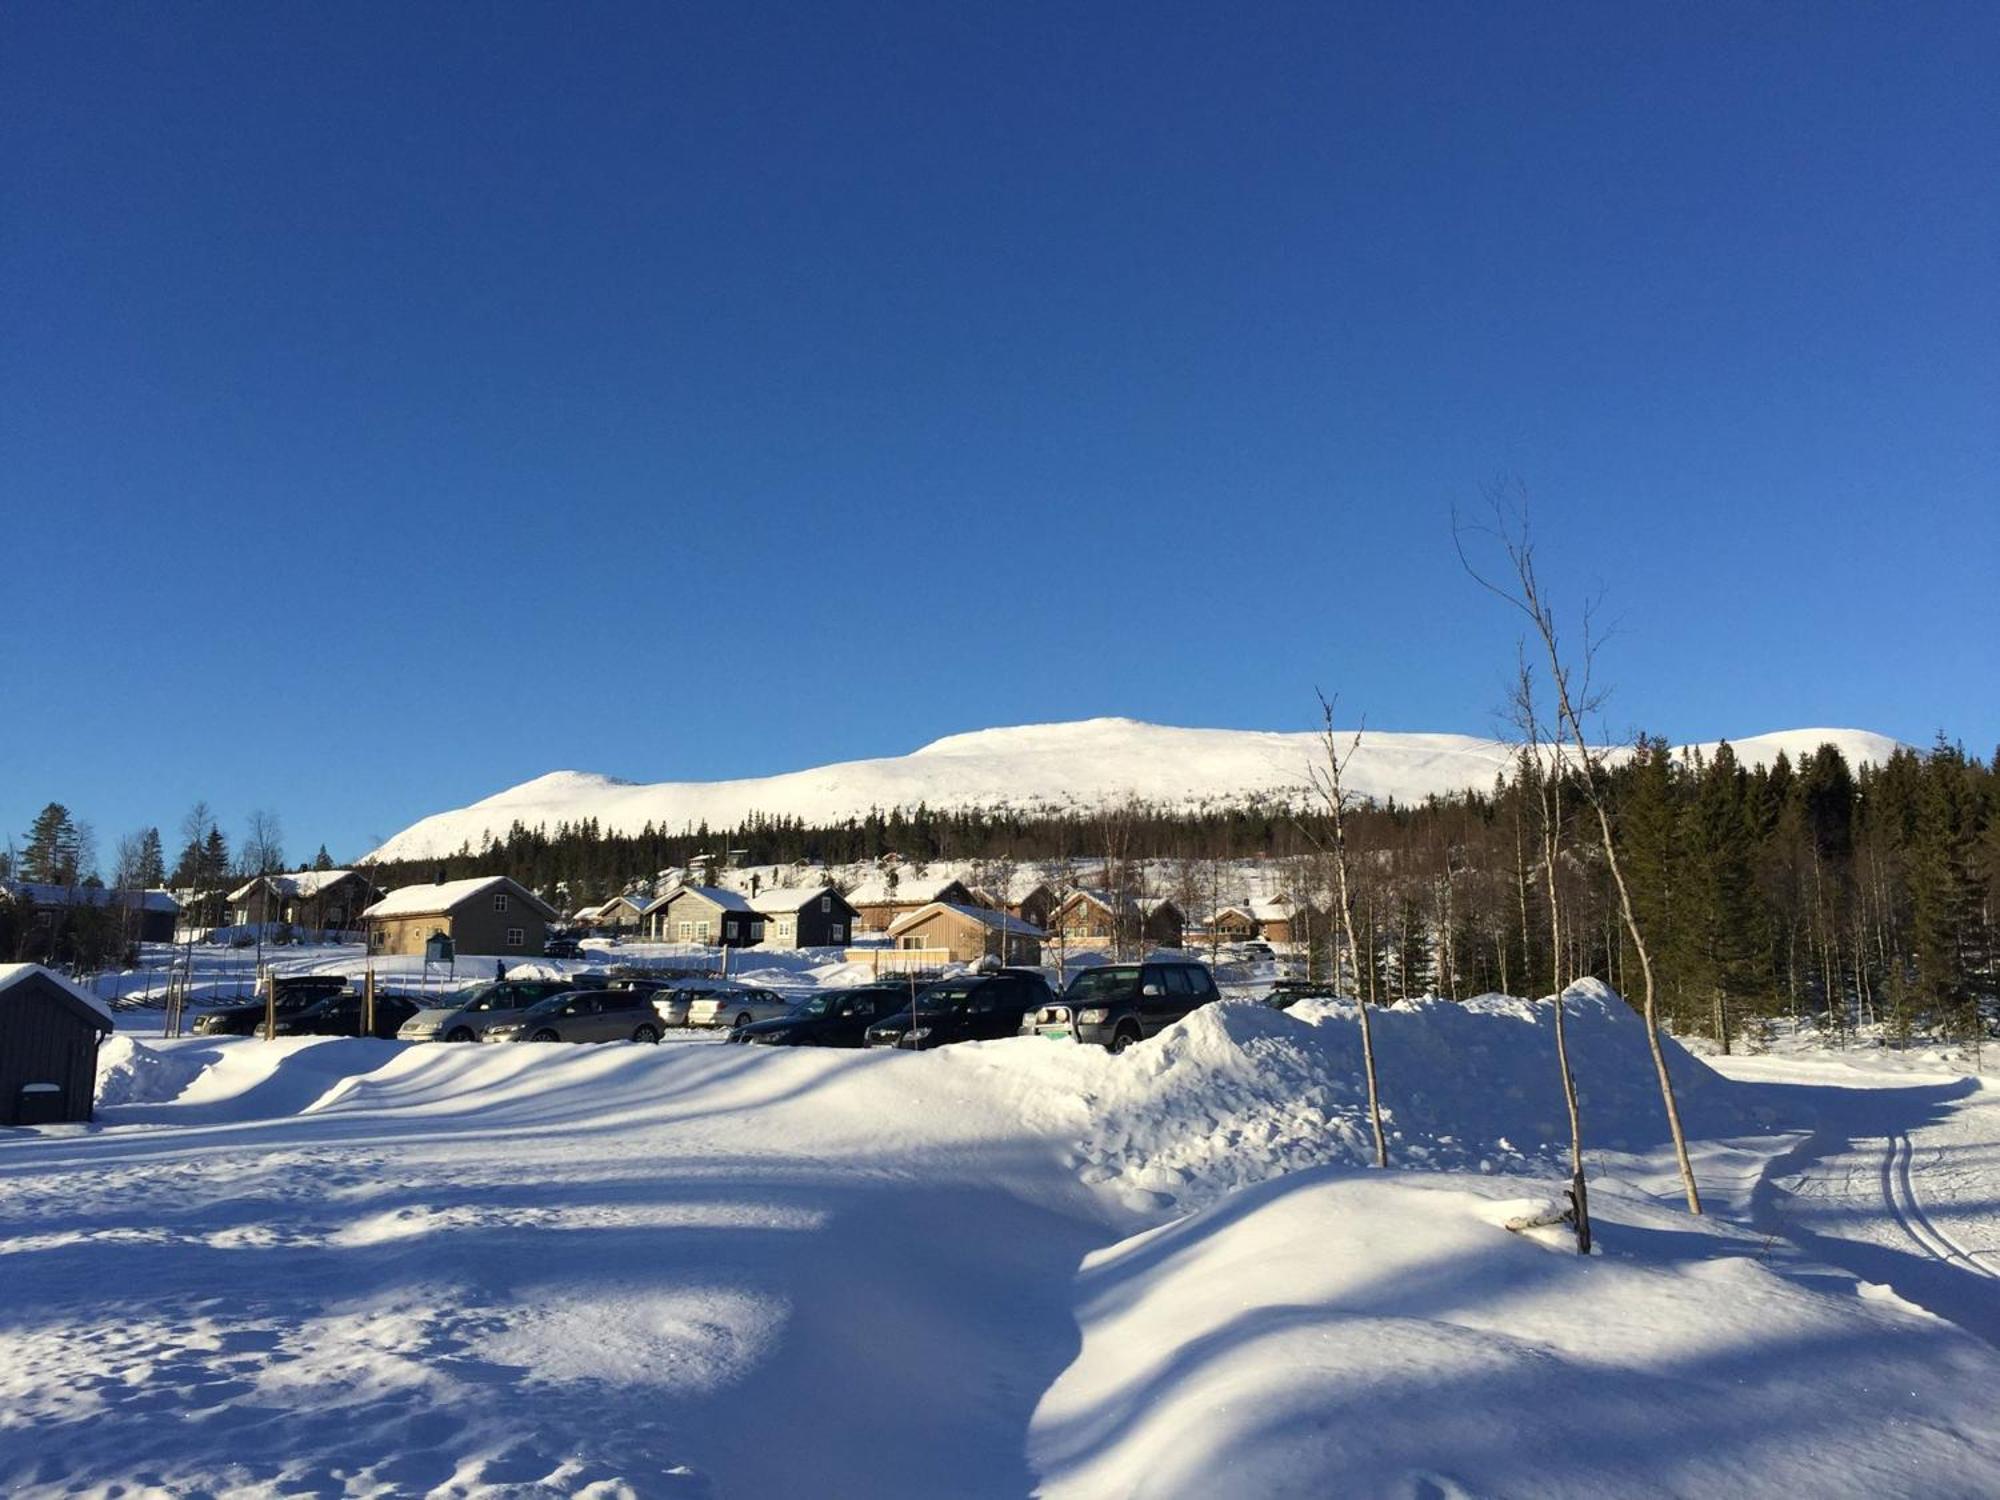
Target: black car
{"x": 340, "y": 1015}
{"x": 1289, "y": 992}
{"x": 1119, "y": 1004}
{"x": 833, "y": 1018}
{"x": 976, "y": 1008}
{"x": 561, "y": 945}
{"x": 293, "y": 995}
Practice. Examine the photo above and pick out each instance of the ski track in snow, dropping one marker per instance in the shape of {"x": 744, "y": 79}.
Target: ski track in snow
{"x": 1896, "y": 1182}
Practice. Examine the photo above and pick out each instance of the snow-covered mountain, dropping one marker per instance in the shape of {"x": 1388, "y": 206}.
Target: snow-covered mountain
{"x": 1030, "y": 766}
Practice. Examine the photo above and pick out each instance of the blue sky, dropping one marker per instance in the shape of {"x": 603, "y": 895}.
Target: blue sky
{"x": 399, "y": 402}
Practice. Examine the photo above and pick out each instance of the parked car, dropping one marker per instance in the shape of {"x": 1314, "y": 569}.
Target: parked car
{"x": 978, "y": 1007}
{"x": 340, "y": 1015}
{"x": 561, "y": 945}
{"x": 1119, "y": 1004}
{"x": 734, "y": 1005}
{"x": 1289, "y": 992}
{"x": 832, "y": 1018}
{"x": 466, "y": 1015}
{"x": 582, "y": 1016}
{"x": 295, "y": 994}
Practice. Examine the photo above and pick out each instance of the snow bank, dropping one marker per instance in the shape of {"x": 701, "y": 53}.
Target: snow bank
{"x": 1238, "y": 1093}
{"x": 1379, "y": 1334}
{"x": 624, "y": 1269}
{"x": 130, "y": 1072}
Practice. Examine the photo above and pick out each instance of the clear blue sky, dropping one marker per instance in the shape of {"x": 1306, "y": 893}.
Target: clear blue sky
{"x": 399, "y": 402}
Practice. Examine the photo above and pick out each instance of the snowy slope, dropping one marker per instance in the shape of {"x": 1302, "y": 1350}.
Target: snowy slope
{"x": 1036, "y": 765}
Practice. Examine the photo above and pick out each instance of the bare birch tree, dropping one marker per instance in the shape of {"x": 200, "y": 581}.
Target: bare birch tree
{"x": 1330, "y": 789}
{"x": 1547, "y": 780}
{"x": 1570, "y": 683}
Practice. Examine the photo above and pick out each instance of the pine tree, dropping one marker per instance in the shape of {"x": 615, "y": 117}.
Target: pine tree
{"x": 53, "y": 846}
{"x": 1943, "y": 897}
{"x": 152, "y": 860}
{"x": 1722, "y": 919}
{"x": 322, "y": 860}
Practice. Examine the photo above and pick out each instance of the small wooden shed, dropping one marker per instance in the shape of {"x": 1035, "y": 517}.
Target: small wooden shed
{"x": 49, "y": 1035}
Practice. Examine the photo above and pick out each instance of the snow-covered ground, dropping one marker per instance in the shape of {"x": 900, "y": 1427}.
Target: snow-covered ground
{"x": 352, "y": 1267}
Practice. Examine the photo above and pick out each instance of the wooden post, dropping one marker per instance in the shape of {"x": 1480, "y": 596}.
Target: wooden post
{"x": 270, "y": 1006}
{"x": 368, "y": 1001}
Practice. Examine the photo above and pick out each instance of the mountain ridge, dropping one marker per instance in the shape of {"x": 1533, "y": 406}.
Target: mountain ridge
{"x": 1074, "y": 764}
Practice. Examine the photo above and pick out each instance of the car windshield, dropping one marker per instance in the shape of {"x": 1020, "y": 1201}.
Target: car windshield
{"x": 819, "y": 1005}
{"x": 553, "y": 1001}
{"x": 945, "y": 997}
{"x": 486, "y": 997}
{"x": 1112, "y": 982}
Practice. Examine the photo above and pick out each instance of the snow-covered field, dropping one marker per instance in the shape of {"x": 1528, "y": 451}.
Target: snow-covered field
{"x": 351, "y": 1267}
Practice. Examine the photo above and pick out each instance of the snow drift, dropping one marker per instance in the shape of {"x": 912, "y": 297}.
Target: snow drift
{"x": 1008, "y": 1268}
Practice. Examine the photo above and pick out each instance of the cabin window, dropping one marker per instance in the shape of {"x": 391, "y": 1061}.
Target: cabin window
{"x": 911, "y": 941}
{"x": 500, "y": 901}
{"x": 756, "y": 932}
{"x": 826, "y": 903}
{"x": 701, "y": 931}
{"x": 836, "y": 933}
{"x": 515, "y": 937}
{"x": 729, "y": 928}
{"x": 685, "y": 930}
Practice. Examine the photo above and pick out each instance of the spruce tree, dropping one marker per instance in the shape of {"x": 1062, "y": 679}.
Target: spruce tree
{"x": 152, "y": 860}
{"x": 52, "y": 852}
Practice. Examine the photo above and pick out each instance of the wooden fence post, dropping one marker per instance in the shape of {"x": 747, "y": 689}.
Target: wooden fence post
{"x": 270, "y": 1006}
{"x": 368, "y": 1002}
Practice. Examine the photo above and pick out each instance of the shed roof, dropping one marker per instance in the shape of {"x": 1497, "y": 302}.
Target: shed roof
{"x": 443, "y": 896}
{"x": 11, "y": 975}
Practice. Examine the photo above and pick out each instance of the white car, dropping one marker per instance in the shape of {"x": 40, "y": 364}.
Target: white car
{"x": 720, "y": 1004}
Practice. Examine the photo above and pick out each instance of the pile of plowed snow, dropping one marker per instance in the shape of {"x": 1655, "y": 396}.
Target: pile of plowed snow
{"x": 1235, "y": 1094}
{"x": 1238, "y": 1093}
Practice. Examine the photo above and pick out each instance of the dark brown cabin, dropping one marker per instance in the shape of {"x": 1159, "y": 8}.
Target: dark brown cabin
{"x": 49, "y": 1035}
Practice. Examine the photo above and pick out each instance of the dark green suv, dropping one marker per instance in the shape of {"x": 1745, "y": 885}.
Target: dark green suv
{"x": 1119, "y": 1004}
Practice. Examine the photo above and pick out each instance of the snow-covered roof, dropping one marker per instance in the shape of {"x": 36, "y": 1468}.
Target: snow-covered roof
{"x": 1273, "y": 909}
{"x": 637, "y": 903}
{"x": 998, "y": 921}
{"x": 13, "y": 974}
{"x": 727, "y": 900}
{"x": 917, "y": 888}
{"x": 784, "y": 898}
{"x": 442, "y": 896}
{"x": 585, "y": 913}
{"x": 301, "y": 883}
{"x": 1098, "y": 898}
{"x": 1150, "y": 904}
{"x": 89, "y": 895}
